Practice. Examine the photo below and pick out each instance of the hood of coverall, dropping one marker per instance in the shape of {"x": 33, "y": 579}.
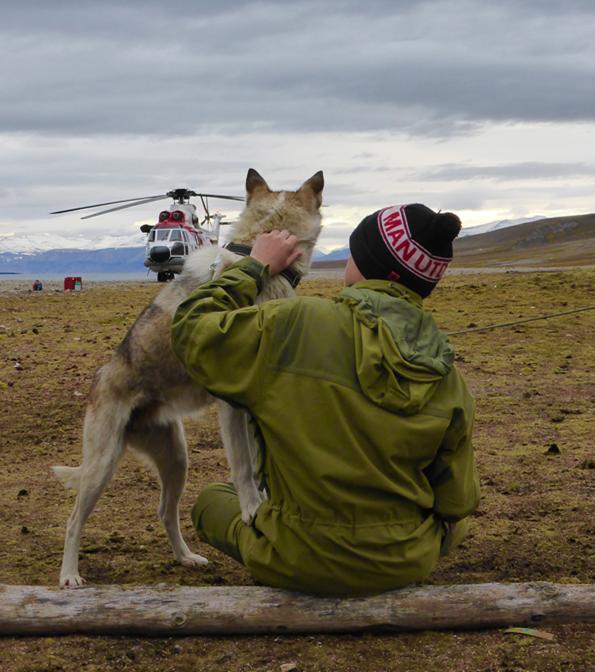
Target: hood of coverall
{"x": 400, "y": 354}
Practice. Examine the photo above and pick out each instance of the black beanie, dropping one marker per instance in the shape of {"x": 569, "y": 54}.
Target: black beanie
{"x": 410, "y": 244}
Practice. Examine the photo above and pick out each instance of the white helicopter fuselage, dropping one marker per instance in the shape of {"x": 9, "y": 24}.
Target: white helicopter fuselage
{"x": 172, "y": 239}
{"x": 178, "y": 231}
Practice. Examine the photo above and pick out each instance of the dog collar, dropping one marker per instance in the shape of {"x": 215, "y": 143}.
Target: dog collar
{"x": 292, "y": 276}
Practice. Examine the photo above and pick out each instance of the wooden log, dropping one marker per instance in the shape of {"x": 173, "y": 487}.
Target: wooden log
{"x": 172, "y": 610}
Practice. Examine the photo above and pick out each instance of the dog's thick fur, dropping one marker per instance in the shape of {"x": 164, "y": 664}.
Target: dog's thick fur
{"x": 139, "y": 398}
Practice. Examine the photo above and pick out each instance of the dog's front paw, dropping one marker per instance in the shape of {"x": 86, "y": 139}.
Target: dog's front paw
{"x": 193, "y": 560}
{"x": 72, "y": 581}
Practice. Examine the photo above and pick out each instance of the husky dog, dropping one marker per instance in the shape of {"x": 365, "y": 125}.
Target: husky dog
{"x": 138, "y": 399}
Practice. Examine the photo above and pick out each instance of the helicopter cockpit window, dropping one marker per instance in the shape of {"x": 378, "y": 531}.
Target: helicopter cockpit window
{"x": 151, "y": 236}
{"x": 176, "y": 234}
{"x": 163, "y": 234}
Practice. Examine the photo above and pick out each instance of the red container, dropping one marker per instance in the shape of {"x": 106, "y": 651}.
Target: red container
{"x": 73, "y": 282}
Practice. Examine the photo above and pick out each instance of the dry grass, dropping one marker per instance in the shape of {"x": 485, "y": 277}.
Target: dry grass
{"x": 534, "y": 388}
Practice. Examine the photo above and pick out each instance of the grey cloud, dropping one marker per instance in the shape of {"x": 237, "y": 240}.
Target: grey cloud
{"x": 529, "y": 170}
{"x": 112, "y": 99}
{"x": 61, "y": 172}
{"x": 458, "y": 198}
{"x": 358, "y": 169}
{"x": 185, "y": 67}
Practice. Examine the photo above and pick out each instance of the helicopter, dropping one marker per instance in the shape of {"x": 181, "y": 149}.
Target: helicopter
{"x": 177, "y": 232}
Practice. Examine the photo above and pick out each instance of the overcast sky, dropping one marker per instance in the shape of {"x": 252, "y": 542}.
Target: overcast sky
{"x": 486, "y": 109}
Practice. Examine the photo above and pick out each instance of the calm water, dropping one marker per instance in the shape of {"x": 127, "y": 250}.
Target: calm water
{"x": 53, "y": 278}
{"x": 87, "y": 277}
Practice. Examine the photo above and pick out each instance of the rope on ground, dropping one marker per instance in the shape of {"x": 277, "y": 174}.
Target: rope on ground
{"x": 523, "y": 321}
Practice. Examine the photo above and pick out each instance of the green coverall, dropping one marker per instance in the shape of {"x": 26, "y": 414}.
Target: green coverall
{"x": 365, "y": 426}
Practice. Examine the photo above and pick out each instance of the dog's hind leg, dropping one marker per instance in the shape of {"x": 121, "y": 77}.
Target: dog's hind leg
{"x": 102, "y": 448}
{"x": 165, "y": 446}
{"x": 242, "y": 455}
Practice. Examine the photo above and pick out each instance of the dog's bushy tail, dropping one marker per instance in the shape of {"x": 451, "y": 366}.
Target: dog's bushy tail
{"x": 69, "y": 476}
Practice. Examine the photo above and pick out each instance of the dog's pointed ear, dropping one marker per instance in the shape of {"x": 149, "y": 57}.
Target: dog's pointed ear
{"x": 254, "y": 181}
{"x": 316, "y": 182}
{"x": 314, "y": 185}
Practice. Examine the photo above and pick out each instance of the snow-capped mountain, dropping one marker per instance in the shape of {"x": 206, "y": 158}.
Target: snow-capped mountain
{"x": 34, "y": 243}
{"x": 343, "y": 252}
{"x": 337, "y": 254}
{"x": 49, "y": 252}
{"x": 494, "y": 226}
{"x": 42, "y": 242}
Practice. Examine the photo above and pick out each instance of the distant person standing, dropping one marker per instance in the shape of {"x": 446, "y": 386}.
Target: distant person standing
{"x": 364, "y": 420}
{"x": 37, "y": 286}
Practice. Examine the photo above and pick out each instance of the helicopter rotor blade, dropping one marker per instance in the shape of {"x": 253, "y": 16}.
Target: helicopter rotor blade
{"x": 123, "y": 207}
{"x": 205, "y": 206}
{"x": 227, "y": 198}
{"x": 99, "y": 205}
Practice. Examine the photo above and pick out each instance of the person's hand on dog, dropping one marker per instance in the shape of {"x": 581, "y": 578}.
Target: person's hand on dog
{"x": 276, "y": 249}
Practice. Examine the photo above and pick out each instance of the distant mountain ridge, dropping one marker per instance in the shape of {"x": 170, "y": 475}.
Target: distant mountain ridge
{"x": 125, "y": 254}
{"x": 495, "y": 226}
{"x": 43, "y": 242}
{"x": 343, "y": 252}
{"x": 546, "y": 242}
{"x": 75, "y": 262}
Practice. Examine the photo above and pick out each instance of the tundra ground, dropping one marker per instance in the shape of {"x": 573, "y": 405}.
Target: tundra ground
{"x": 534, "y": 442}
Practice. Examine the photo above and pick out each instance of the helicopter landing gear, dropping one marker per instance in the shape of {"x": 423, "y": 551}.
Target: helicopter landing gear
{"x": 165, "y": 276}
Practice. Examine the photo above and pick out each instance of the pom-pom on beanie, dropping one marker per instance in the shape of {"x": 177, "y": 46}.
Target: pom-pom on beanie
{"x": 410, "y": 244}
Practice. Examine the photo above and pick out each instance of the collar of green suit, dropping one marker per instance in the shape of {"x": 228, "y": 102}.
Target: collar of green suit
{"x": 395, "y": 289}
{"x": 292, "y": 276}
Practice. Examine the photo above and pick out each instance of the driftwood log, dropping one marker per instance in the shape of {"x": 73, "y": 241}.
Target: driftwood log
{"x": 173, "y": 610}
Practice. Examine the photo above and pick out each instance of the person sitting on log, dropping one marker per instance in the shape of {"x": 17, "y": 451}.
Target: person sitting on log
{"x": 363, "y": 419}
